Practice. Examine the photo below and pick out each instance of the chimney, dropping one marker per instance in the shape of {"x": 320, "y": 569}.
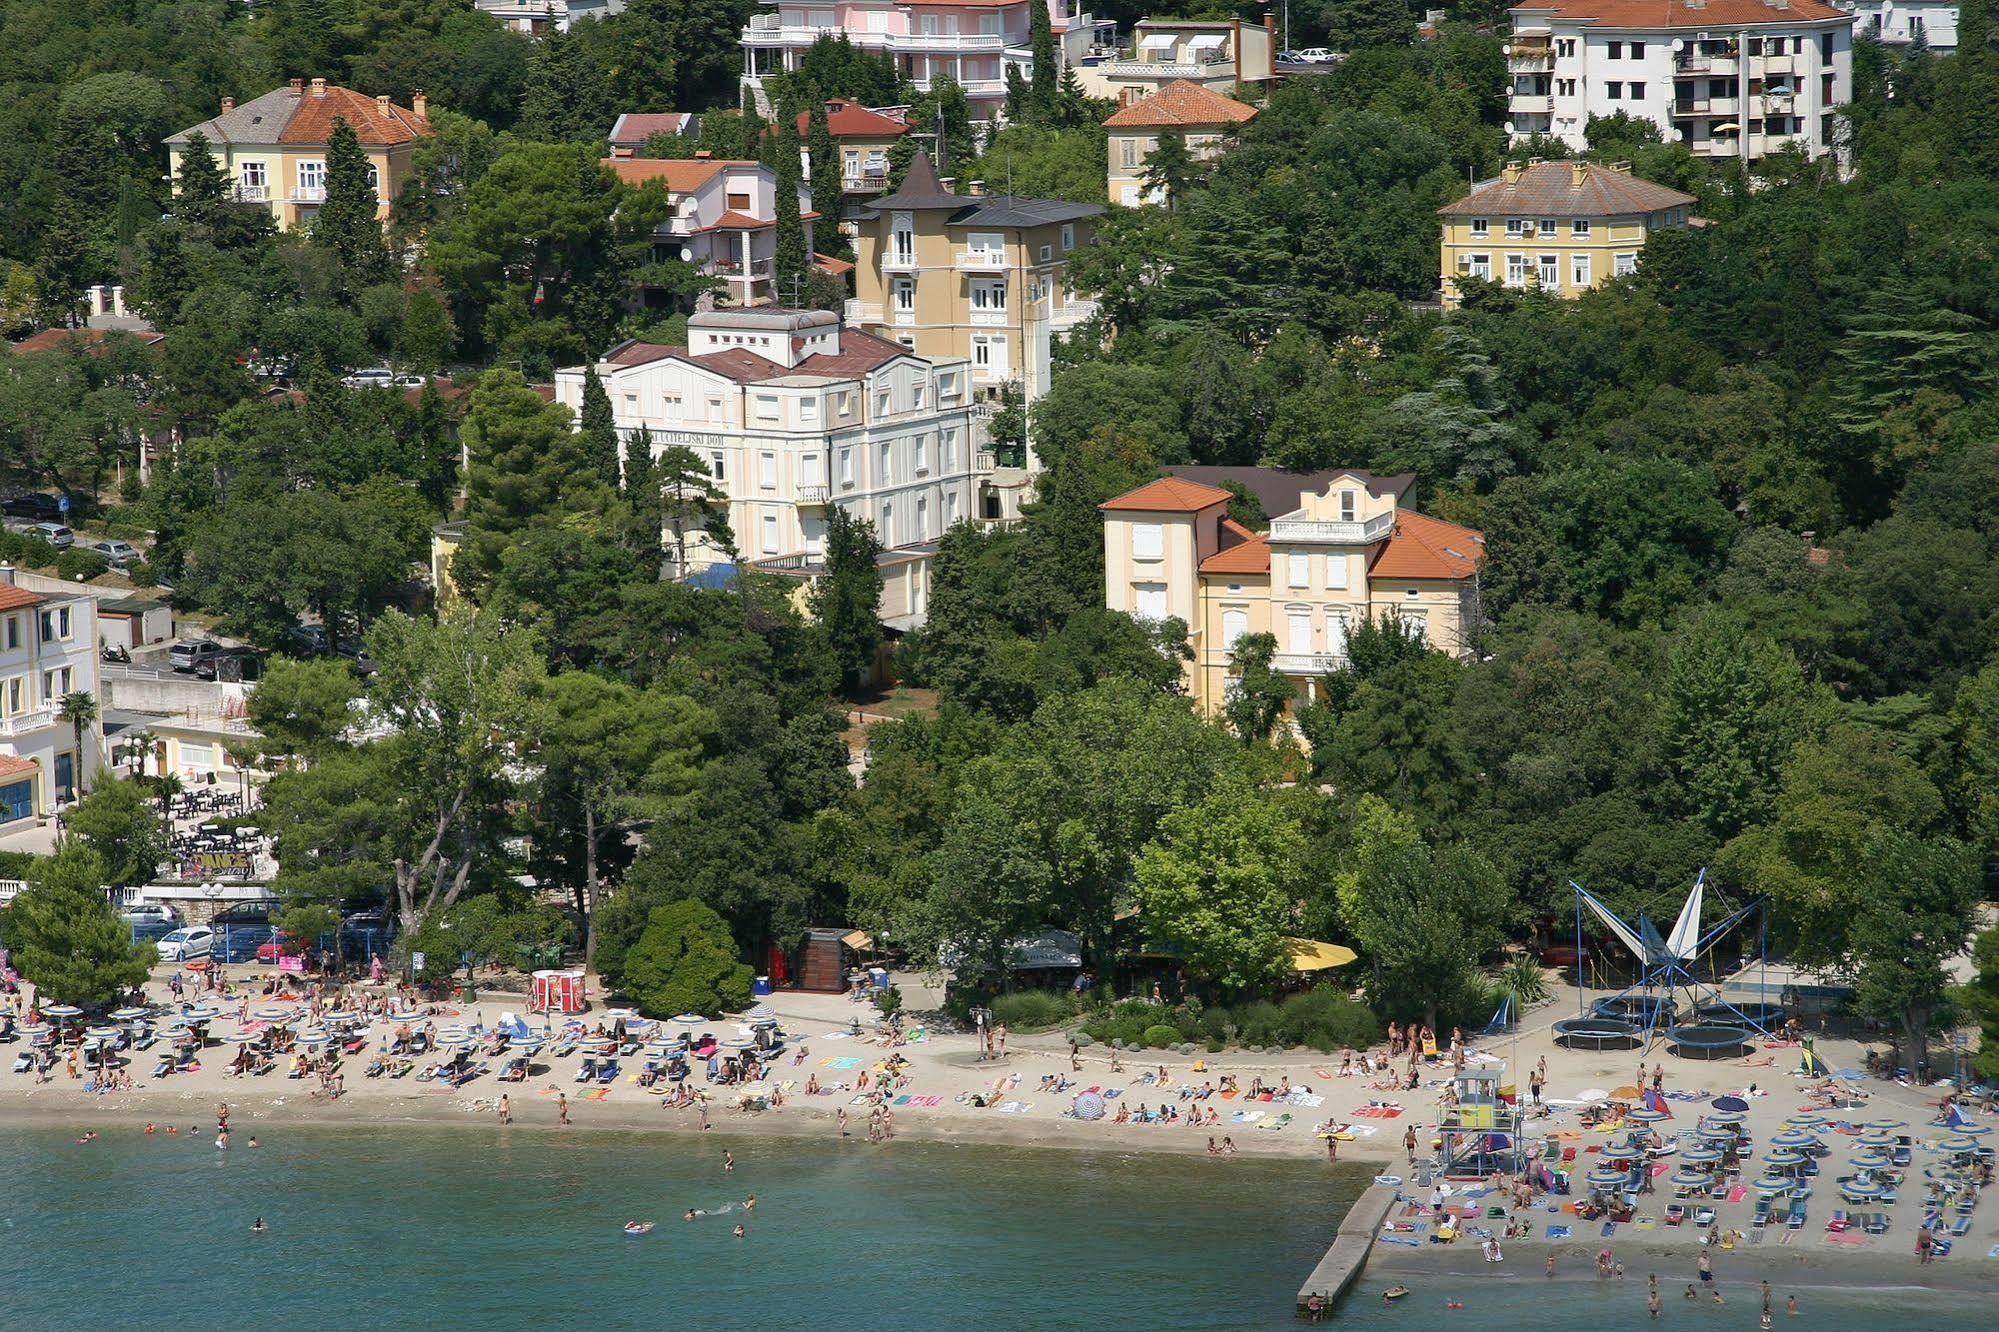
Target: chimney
{"x": 382, "y": 102}
{"x": 1578, "y": 173}
{"x": 298, "y": 86}
{"x": 703, "y": 155}
{"x": 228, "y": 105}
{"x": 945, "y": 183}
{"x": 420, "y": 104}
{"x": 319, "y": 87}
{"x": 623, "y": 151}
{"x": 975, "y": 187}
{"x": 1510, "y": 173}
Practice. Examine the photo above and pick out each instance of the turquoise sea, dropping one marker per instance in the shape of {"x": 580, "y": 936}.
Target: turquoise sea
{"x": 468, "y": 1227}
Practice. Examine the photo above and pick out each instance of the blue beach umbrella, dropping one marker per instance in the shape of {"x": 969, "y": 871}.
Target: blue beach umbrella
{"x": 1876, "y": 1140}
{"x": 1784, "y": 1159}
{"x": 1608, "y": 1179}
{"x": 1794, "y": 1138}
{"x": 1960, "y": 1143}
{"x": 1701, "y": 1155}
{"x": 1805, "y": 1121}
{"x": 1775, "y": 1184}
{"x": 1089, "y": 1105}
{"x": 1863, "y": 1188}
{"x": 1645, "y": 1114}
{"x": 1623, "y": 1151}
{"x": 1731, "y": 1103}
{"x": 1691, "y": 1179}
{"x": 1718, "y": 1133}
{"x": 1883, "y": 1125}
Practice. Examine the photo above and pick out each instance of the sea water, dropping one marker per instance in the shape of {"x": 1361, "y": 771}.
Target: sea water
{"x": 449, "y": 1227}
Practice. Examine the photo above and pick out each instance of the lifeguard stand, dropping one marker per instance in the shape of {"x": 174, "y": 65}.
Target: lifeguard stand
{"x": 1480, "y": 1131}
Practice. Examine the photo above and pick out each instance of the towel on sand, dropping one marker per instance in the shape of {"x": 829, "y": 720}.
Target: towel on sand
{"x": 1558, "y": 1232}
{"x": 597, "y": 1094}
{"x": 1016, "y": 1107}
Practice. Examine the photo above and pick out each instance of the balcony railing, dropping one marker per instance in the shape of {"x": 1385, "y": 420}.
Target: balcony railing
{"x": 864, "y": 182}
{"x": 25, "y": 723}
{"x": 898, "y": 261}
{"x": 1779, "y": 64}
{"x": 1695, "y": 63}
{"x": 985, "y": 260}
{"x": 1531, "y": 102}
{"x": 1704, "y": 106}
{"x": 1307, "y": 663}
{"x": 308, "y": 194}
{"x": 1332, "y": 531}
{"x": 861, "y": 312}
{"x": 813, "y": 496}
{"x": 252, "y": 193}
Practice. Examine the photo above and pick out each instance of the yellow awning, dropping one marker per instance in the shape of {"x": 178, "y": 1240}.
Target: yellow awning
{"x": 857, "y": 939}
{"x": 1311, "y": 955}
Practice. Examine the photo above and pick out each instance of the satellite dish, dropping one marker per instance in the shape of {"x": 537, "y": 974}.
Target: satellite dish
{"x": 1678, "y": 45}
{"x": 1509, "y": 127}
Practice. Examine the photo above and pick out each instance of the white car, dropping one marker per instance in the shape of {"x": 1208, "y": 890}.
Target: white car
{"x": 1315, "y": 55}
{"x": 150, "y": 913}
{"x": 186, "y": 945}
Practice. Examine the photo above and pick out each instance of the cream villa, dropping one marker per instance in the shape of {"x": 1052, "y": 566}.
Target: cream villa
{"x": 1220, "y": 55}
{"x": 792, "y": 415}
{"x": 1561, "y": 226}
{"x": 1201, "y": 118}
{"x": 1348, "y": 552}
{"x": 724, "y": 218}
{"x": 976, "y": 277}
{"x": 274, "y": 147}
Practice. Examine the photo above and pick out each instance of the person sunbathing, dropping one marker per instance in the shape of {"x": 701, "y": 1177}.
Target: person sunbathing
{"x": 1123, "y": 1115}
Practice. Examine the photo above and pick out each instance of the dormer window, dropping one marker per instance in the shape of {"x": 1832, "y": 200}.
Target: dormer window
{"x": 1349, "y": 509}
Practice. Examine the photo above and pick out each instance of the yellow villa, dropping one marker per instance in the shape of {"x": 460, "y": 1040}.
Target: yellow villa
{"x": 1203, "y": 118}
{"x": 1349, "y": 551}
{"x": 273, "y": 148}
{"x": 1561, "y": 226}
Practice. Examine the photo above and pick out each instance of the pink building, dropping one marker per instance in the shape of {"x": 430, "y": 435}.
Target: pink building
{"x": 971, "y": 40}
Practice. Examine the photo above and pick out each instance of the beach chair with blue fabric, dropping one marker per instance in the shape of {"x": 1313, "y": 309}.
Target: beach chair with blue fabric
{"x": 588, "y": 1072}
{"x": 608, "y": 1073}
{"x": 1761, "y": 1217}
{"x": 1875, "y": 1223}
{"x": 1796, "y": 1220}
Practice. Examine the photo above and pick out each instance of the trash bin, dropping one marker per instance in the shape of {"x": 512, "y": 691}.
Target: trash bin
{"x": 761, "y": 987}
{"x": 879, "y": 977}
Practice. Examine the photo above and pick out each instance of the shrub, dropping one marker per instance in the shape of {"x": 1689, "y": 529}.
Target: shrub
{"x": 76, "y": 565}
{"x": 141, "y": 574}
{"x": 37, "y": 553}
{"x": 1327, "y": 1020}
{"x": 1033, "y": 1010}
{"x": 888, "y": 1001}
{"x": 685, "y": 962}
{"x": 1161, "y": 1036}
{"x": 1214, "y": 1045}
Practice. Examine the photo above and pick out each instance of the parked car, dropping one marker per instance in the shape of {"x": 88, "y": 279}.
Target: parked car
{"x": 1315, "y": 55}
{"x": 149, "y": 911}
{"x": 249, "y": 913}
{"x": 284, "y": 945}
{"x": 307, "y": 640}
{"x": 54, "y": 533}
{"x": 184, "y": 655}
{"x": 231, "y": 664}
{"x": 186, "y": 945}
{"x": 34, "y": 504}
{"x": 117, "y": 554}
{"x": 378, "y": 376}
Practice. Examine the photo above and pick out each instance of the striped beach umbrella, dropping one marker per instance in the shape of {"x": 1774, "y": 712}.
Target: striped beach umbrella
{"x": 1608, "y": 1179}
{"x": 313, "y": 1038}
{"x": 1622, "y": 1151}
{"x": 63, "y": 1011}
{"x": 35, "y": 1029}
{"x": 1959, "y": 1143}
{"x": 1863, "y": 1188}
{"x": 130, "y": 1014}
{"x": 1783, "y": 1160}
{"x": 1870, "y": 1161}
{"x": 340, "y": 1015}
{"x": 1691, "y": 1179}
{"x": 1645, "y": 1114}
{"x": 1805, "y": 1121}
{"x": 1974, "y": 1130}
{"x": 1876, "y": 1140}
{"x": 1883, "y": 1125}
{"x": 1794, "y": 1138}
{"x": 274, "y": 1014}
{"x": 1701, "y": 1155}
{"x": 1724, "y": 1116}
{"x": 1774, "y": 1184}
{"x": 1717, "y": 1133}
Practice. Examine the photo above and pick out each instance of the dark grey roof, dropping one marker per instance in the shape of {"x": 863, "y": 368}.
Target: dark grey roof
{"x": 1013, "y": 210}
{"x": 1278, "y": 490}
{"x": 921, "y": 189}
{"x": 259, "y": 122}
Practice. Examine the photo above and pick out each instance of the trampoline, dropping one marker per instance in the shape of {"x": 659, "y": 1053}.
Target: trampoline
{"x": 1643, "y": 1010}
{"x": 1704, "y": 1040}
{"x": 1759, "y": 1016}
{"x": 1595, "y": 1033}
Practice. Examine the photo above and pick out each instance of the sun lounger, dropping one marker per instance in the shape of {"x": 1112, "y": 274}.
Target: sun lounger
{"x": 25, "y": 1061}
{"x": 1875, "y": 1223}
{"x": 608, "y": 1074}
{"x": 1704, "y": 1217}
{"x": 587, "y": 1073}
{"x": 1796, "y": 1221}
{"x": 1675, "y": 1214}
{"x": 1961, "y": 1226}
{"x": 1762, "y": 1216}
{"x": 1839, "y": 1222}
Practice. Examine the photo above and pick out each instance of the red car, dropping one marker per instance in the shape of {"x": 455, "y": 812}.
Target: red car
{"x": 282, "y": 946}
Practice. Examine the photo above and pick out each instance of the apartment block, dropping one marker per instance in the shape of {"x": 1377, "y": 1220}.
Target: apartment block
{"x": 48, "y": 648}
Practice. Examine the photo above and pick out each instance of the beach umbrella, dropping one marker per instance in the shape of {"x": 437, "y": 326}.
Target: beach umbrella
{"x": 1870, "y": 1161}
{"x": 1973, "y": 1130}
{"x": 736, "y": 1043}
{"x": 1863, "y": 1188}
{"x": 1735, "y": 1103}
{"x": 36, "y": 1029}
{"x": 104, "y": 1033}
{"x": 1805, "y": 1121}
{"x": 313, "y": 1038}
{"x": 1623, "y": 1151}
{"x": 1784, "y": 1160}
{"x": 131, "y": 1014}
{"x": 690, "y": 1019}
{"x": 274, "y": 1014}
{"x": 1794, "y": 1138}
{"x": 1717, "y": 1133}
{"x": 1872, "y": 1140}
{"x": 1608, "y": 1179}
{"x": 1088, "y": 1105}
{"x": 1883, "y": 1125}
{"x": 340, "y": 1015}
{"x": 1959, "y": 1143}
{"x": 1724, "y": 1117}
{"x": 1646, "y": 1115}
{"x": 63, "y": 1011}
{"x": 1774, "y": 1184}
{"x": 1701, "y": 1155}
{"x": 239, "y": 1037}
{"x": 1691, "y": 1179}
{"x": 1625, "y": 1093}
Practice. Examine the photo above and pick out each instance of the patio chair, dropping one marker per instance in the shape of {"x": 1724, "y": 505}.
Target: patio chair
{"x": 588, "y": 1072}
{"x": 1838, "y": 1224}
{"x": 1796, "y": 1221}
{"x": 1762, "y": 1215}
{"x": 1704, "y": 1217}
{"x": 1675, "y": 1214}
{"x": 1875, "y": 1223}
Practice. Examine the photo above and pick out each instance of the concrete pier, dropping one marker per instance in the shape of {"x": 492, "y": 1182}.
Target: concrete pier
{"x": 1351, "y": 1244}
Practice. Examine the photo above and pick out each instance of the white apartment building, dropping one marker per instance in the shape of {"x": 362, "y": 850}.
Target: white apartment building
{"x": 724, "y": 218}
{"x": 1728, "y": 78}
{"x": 48, "y": 648}
{"x": 536, "y": 17}
{"x": 795, "y": 414}
{"x": 971, "y": 40}
{"x": 1900, "y": 22}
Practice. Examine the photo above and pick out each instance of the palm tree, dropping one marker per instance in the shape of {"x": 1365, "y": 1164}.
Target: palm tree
{"x": 79, "y": 709}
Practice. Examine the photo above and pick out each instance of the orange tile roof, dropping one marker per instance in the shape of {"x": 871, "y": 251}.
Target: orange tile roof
{"x": 1169, "y": 494}
{"x": 14, "y": 598}
{"x": 373, "y": 124}
{"x": 1242, "y": 552}
{"x": 1679, "y": 14}
{"x": 11, "y": 766}
{"x": 851, "y": 120}
{"x": 1420, "y": 546}
{"x": 1181, "y": 102}
{"x": 679, "y": 174}
{"x": 92, "y": 340}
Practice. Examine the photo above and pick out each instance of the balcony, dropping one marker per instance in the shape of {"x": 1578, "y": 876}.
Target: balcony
{"x": 253, "y": 193}
{"x": 982, "y": 461}
{"x": 308, "y": 194}
{"x": 1778, "y": 64}
{"x": 1166, "y": 69}
{"x": 1530, "y": 57}
{"x": 898, "y": 261}
{"x": 28, "y": 722}
{"x": 1307, "y": 663}
{"x": 813, "y": 497}
{"x": 1692, "y": 62}
{"x": 981, "y": 261}
{"x": 861, "y": 312}
{"x": 1331, "y": 531}
{"x": 919, "y": 43}
{"x": 865, "y": 182}
{"x": 1704, "y": 106}
{"x": 1530, "y": 103}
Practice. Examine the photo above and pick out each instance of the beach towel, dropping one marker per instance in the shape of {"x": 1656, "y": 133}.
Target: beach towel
{"x": 1609, "y": 1229}
{"x": 1229, "y": 1095}
{"x": 1402, "y": 1239}
{"x": 835, "y": 1036}
{"x": 597, "y": 1094}
{"x": 1307, "y": 1099}
{"x": 1016, "y": 1108}
{"x": 1320, "y": 1073}
{"x": 1992, "y": 1252}
{"x": 1645, "y": 1223}
{"x": 1112, "y": 1093}
{"x": 926, "y": 1100}
{"x": 846, "y": 1061}
{"x": 1282, "y": 1121}
{"x": 1558, "y": 1232}
{"x": 1737, "y": 1194}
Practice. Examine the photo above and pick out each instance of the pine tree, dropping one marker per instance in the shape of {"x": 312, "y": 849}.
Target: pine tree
{"x": 846, "y": 599}
{"x": 568, "y": 94}
{"x": 202, "y": 190}
{"x": 1017, "y": 95}
{"x": 792, "y": 259}
{"x": 1968, "y": 98}
{"x": 598, "y": 428}
{"x": 1047, "y": 69}
{"x": 1169, "y": 168}
{"x": 347, "y": 224}
{"x": 64, "y": 935}
{"x": 63, "y": 270}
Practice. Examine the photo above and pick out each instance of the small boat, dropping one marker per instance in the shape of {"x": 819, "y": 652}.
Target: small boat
{"x": 1394, "y": 1292}
{"x": 638, "y": 1227}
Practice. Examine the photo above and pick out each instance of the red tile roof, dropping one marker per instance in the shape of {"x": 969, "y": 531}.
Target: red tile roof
{"x": 1181, "y": 102}
{"x": 851, "y": 120}
{"x": 374, "y": 124}
{"x": 636, "y": 127}
{"x": 1169, "y": 494}
{"x": 50, "y": 339}
{"x": 11, "y": 766}
{"x": 1680, "y": 14}
{"x": 1242, "y": 552}
{"x": 859, "y": 353}
{"x": 826, "y": 263}
{"x": 680, "y": 174}
{"x": 1420, "y": 546}
{"x": 14, "y": 598}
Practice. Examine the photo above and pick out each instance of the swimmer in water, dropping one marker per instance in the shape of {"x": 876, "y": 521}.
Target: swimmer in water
{"x": 253, "y": 1140}
{"x": 691, "y": 1214}
{"x": 749, "y": 1202}
{"x": 740, "y": 1232}
{"x": 1454, "y": 1304}
{"x": 260, "y": 1226}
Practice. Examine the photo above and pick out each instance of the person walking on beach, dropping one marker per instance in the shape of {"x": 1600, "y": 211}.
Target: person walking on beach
{"x": 506, "y": 1109}
{"x": 1409, "y": 1143}
{"x": 999, "y": 1039}
{"x": 840, "y": 1118}
{"x": 1706, "y": 1268}
{"x": 562, "y": 1108}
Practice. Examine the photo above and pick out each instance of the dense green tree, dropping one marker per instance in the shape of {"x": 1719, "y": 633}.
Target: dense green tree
{"x": 528, "y": 466}
{"x": 304, "y": 707}
{"x": 1259, "y": 693}
{"x": 597, "y": 431}
{"x": 1044, "y": 90}
{"x": 846, "y": 599}
{"x": 1221, "y": 881}
{"x": 1917, "y": 908}
{"x": 119, "y": 822}
{"x": 1169, "y": 169}
{"x": 685, "y": 962}
{"x": 63, "y": 936}
{"x": 792, "y": 259}
{"x": 345, "y": 225}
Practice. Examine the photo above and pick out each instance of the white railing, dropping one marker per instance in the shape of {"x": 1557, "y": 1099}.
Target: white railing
{"x": 1307, "y": 663}
{"x": 1332, "y": 530}
{"x": 982, "y": 461}
{"x": 11, "y": 888}
{"x": 1531, "y": 102}
{"x": 937, "y": 41}
{"x": 33, "y": 719}
{"x": 308, "y": 194}
{"x": 897, "y": 261}
{"x": 1070, "y": 313}
{"x": 812, "y": 494}
{"x": 1159, "y": 69}
{"x": 982, "y": 259}
{"x": 252, "y": 193}
{"x": 861, "y": 312}
{"x": 858, "y": 181}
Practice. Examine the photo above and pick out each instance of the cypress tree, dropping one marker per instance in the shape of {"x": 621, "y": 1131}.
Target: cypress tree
{"x": 1969, "y": 96}
{"x": 598, "y": 428}
{"x": 202, "y": 190}
{"x": 1047, "y": 74}
{"x": 347, "y": 224}
{"x": 824, "y": 155}
{"x": 792, "y": 260}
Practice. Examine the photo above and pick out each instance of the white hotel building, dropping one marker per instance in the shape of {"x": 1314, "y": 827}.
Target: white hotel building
{"x": 1728, "y": 78}
{"x": 794, "y": 414}
{"x": 48, "y": 648}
